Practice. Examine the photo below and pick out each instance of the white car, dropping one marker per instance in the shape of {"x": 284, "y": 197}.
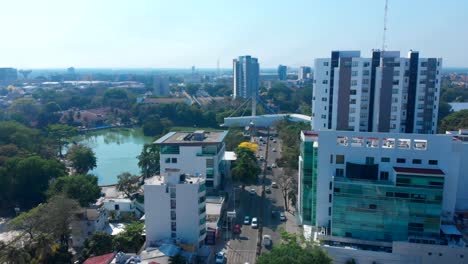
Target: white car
{"x": 254, "y": 223}
{"x": 274, "y": 165}
{"x": 252, "y": 191}
{"x": 282, "y": 217}
{"x": 267, "y": 240}
{"x": 274, "y": 185}
{"x": 274, "y": 150}
{"x": 220, "y": 257}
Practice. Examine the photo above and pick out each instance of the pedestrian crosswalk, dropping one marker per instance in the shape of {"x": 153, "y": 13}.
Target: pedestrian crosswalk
{"x": 241, "y": 256}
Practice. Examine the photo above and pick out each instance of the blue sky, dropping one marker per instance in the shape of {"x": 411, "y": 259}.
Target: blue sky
{"x": 178, "y": 34}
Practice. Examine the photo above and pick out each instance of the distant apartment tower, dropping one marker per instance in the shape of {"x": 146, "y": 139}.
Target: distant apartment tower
{"x": 175, "y": 209}
{"x": 195, "y": 153}
{"x": 246, "y": 77}
{"x": 385, "y": 93}
{"x": 8, "y": 75}
{"x": 380, "y": 187}
{"x": 161, "y": 86}
{"x": 304, "y": 73}
{"x": 282, "y": 72}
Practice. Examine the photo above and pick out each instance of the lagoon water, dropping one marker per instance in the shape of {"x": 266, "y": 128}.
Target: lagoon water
{"x": 116, "y": 152}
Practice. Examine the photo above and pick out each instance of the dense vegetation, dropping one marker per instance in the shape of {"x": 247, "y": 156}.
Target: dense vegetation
{"x": 454, "y": 121}
{"x": 290, "y": 134}
{"x": 295, "y": 250}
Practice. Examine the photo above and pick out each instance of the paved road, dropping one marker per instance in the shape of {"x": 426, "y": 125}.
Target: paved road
{"x": 242, "y": 247}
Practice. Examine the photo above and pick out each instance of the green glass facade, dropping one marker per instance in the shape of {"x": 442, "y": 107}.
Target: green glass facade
{"x": 309, "y": 183}
{"x": 372, "y": 210}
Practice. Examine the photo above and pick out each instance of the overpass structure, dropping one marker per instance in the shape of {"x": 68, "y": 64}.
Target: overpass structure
{"x": 267, "y": 120}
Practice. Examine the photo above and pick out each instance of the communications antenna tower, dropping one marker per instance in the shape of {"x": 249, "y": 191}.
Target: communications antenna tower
{"x": 384, "y": 30}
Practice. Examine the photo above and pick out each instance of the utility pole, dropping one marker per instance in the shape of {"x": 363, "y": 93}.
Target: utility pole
{"x": 262, "y": 201}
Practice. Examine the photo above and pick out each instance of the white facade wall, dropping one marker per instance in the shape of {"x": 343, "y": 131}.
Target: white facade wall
{"x": 448, "y": 153}
{"x": 190, "y": 163}
{"x": 158, "y": 213}
{"x": 320, "y": 94}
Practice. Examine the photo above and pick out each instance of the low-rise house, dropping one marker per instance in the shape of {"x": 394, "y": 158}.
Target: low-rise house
{"x": 90, "y": 220}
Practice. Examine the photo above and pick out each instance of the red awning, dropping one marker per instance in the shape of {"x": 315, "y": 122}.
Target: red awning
{"x": 419, "y": 171}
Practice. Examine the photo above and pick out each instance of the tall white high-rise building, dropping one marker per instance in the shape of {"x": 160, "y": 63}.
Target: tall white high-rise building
{"x": 246, "y": 77}
{"x": 384, "y": 93}
{"x": 175, "y": 208}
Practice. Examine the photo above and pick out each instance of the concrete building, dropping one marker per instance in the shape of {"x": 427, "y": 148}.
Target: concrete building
{"x": 175, "y": 209}
{"x": 374, "y": 188}
{"x": 282, "y": 72}
{"x": 246, "y": 77}
{"x": 88, "y": 221}
{"x": 8, "y": 75}
{"x": 384, "y": 93}
{"x": 304, "y": 73}
{"x": 195, "y": 153}
{"x": 161, "y": 86}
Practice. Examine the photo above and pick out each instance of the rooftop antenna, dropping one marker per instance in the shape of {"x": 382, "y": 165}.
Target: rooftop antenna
{"x": 384, "y": 30}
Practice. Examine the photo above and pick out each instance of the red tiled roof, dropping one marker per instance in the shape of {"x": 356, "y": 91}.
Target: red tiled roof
{"x": 419, "y": 170}
{"x": 103, "y": 259}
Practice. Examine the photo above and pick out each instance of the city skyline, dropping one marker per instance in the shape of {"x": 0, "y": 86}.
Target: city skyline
{"x": 117, "y": 34}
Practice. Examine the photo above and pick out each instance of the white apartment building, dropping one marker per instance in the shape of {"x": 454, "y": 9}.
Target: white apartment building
{"x": 384, "y": 93}
{"x": 194, "y": 153}
{"x": 175, "y": 209}
{"x": 381, "y": 187}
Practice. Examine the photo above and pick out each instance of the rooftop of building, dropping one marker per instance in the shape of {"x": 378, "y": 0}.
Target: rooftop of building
{"x": 197, "y": 137}
{"x": 437, "y": 172}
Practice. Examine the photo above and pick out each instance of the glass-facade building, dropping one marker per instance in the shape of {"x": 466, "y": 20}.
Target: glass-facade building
{"x": 383, "y": 211}
{"x": 308, "y": 183}
{"x": 370, "y": 192}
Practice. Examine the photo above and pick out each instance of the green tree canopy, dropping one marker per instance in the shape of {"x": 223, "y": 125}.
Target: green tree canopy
{"x": 128, "y": 183}
{"x": 23, "y": 181}
{"x": 81, "y": 187}
{"x": 131, "y": 239}
{"x": 295, "y": 251}
{"x": 45, "y": 231}
{"x": 82, "y": 158}
{"x": 99, "y": 243}
{"x": 177, "y": 259}
{"x": 148, "y": 160}
{"x": 60, "y": 135}
{"x": 245, "y": 169}
{"x": 454, "y": 121}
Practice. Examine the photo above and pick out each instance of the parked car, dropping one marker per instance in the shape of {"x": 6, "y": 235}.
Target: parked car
{"x": 267, "y": 241}
{"x": 220, "y": 257}
{"x": 273, "y": 213}
{"x": 254, "y": 223}
{"x": 252, "y": 191}
{"x": 267, "y": 190}
{"x": 274, "y": 165}
{"x": 237, "y": 229}
{"x": 282, "y": 217}
{"x": 274, "y": 140}
{"x": 274, "y": 185}
{"x": 274, "y": 150}
{"x": 246, "y": 220}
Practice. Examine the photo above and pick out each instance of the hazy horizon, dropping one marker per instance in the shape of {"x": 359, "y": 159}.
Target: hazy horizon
{"x": 179, "y": 34}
